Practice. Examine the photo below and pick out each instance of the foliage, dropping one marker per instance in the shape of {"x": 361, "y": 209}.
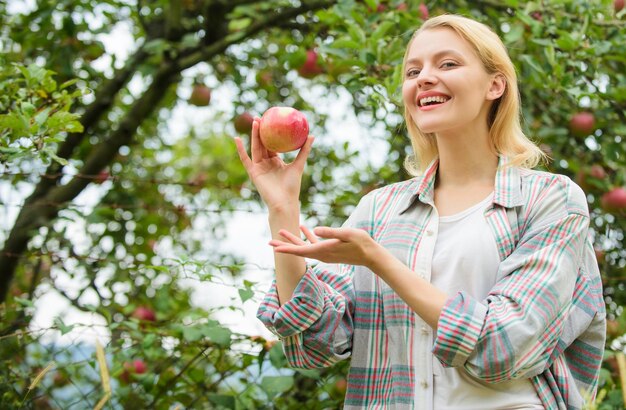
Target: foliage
{"x": 118, "y": 194}
{"x": 35, "y": 114}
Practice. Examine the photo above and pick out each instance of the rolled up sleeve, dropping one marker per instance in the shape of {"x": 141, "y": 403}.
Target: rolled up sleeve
{"x": 298, "y": 314}
{"x": 316, "y": 324}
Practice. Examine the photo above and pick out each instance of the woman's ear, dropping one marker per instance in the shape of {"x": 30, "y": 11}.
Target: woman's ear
{"x": 498, "y": 85}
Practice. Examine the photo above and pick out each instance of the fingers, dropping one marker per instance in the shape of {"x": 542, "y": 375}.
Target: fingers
{"x": 322, "y": 251}
{"x": 291, "y": 237}
{"x": 326, "y": 232}
{"x": 289, "y": 248}
{"x": 276, "y": 243}
{"x": 304, "y": 152}
{"x": 259, "y": 152}
{"x": 308, "y": 234}
{"x": 281, "y": 247}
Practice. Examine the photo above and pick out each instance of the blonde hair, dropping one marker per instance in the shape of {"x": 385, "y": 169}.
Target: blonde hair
{"x": 505, "y": 130}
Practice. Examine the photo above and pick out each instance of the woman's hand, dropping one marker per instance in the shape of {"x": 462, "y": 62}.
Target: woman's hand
{"x": 341, "y": 245}
{"x": 278, "y": 183}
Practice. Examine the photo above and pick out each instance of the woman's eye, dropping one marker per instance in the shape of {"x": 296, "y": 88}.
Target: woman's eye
{"x": 448, "y": 64}
{"x": 412, "y": 72}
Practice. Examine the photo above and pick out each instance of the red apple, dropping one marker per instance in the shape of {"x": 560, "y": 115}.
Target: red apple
{"x": 381, "y": 7}
{"x": 614, "y": 200}
{"x": 402, "y": 7}
{"x": 42, "y": 403}
{"x": 102, "y": 177}
{"x": 310, "y": 68}
{"x": 613, "y": 329}
{"x": 537, "y": 15}
{"x": 585, "y": 175}
{"x": 618, "y": 5}
{"x": 423, "y": 11}
{"x": 582, "y": 123}
{"x": 243, "y": 123}
{"x": 283, "y": 129}
{"x": 200, "y": 96}
{"x": 269, "y": 344}
{"x": 140, "y": 366}
{"x": 60, "y": 379}
{"x": 257, "y": 339}
{"x": 341, "y": 385}
{"x": 599, "y": 254}
{"x": 265, "y": 78}
{"x": 144, "y": 313}
{"x": 597, "y": 172}
{"x": 189, "y": 5}
{"x": 137, "y": 366}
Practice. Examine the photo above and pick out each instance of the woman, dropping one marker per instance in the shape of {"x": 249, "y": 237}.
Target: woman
{"x": 473, "y": 285}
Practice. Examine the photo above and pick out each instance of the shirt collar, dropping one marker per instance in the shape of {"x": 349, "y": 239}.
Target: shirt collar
{"x": 507, "y": 192}
{"x": 508, "y": 185}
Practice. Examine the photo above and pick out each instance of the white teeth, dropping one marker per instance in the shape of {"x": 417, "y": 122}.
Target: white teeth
{"x": 437, "y": 98}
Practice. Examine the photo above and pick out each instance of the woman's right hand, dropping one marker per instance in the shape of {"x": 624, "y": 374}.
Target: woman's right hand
{"x": 278, "y": 183}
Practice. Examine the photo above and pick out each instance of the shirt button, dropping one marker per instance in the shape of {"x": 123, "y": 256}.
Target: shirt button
{"x": 424, "y": 330}
{"x": 429, "y": 232}
{"x": 424, "y": 384}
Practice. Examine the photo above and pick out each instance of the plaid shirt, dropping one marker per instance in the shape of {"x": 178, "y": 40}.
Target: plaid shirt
{"x": 544, "y": 318}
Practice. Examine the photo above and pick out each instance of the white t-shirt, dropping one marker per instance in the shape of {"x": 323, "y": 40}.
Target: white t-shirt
{"x": 466, "y": 258}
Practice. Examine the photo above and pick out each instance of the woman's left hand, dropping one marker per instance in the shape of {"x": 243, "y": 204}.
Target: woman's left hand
{"x": 340, "y": 245}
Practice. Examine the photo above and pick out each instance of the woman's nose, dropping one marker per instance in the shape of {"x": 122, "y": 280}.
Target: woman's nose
{"x": 426, "y": 77}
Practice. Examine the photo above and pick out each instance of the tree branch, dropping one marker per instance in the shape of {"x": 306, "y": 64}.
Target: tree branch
{"x": 104, "y": 98}
{"x": 170, "y": 383}
{"x": 198, "y": 55}
{"x": 38, "y": 212}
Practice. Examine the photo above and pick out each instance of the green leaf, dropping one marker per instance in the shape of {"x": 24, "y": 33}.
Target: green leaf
{"x": 239, "y": 24}
{"x": 50, "y": 153}
{"x": 62, "y": 120}
{"x": 310, "y": 373}
{"x": 246, "y": 294}
{"x": 516, "y": 33}
{"x": 218, "y": 334}
{"x": 16, "y": 123}
{"x": 157, "y": 46}
{"x": 356, "y": 33}
{"x": 222, "y": 400}
{"x": 24, "y": 302}
{"x": 342, "y": 43}
{"x": 28, "y": 108}
{"x": 542, "y": 41}
{"x": 531, "y": 62}
{"x": 372, "y": 4}
{"x": 382, "y": 30}
{"x": 63, "y": 328}
{"x": 550, "y": 55}
{"x": 42, "y": 116}
{"x": 277, "y": 356}
{"x": 68, "y": 83}
{"x": 274, "y": 385}
{"x": 149, "y": 341}
{"x": 163, "y": 269}
{"x": 566, "y": 41}
{"x": 192, "y": 333}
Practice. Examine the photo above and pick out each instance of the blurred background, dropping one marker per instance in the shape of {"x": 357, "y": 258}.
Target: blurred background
{"x": 133, "y": 248}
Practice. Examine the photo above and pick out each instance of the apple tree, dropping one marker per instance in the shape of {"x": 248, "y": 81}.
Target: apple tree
{"x": 119, "y": 178}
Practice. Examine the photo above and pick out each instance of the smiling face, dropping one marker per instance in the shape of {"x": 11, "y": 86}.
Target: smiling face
{"x": 446, "y": 88}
